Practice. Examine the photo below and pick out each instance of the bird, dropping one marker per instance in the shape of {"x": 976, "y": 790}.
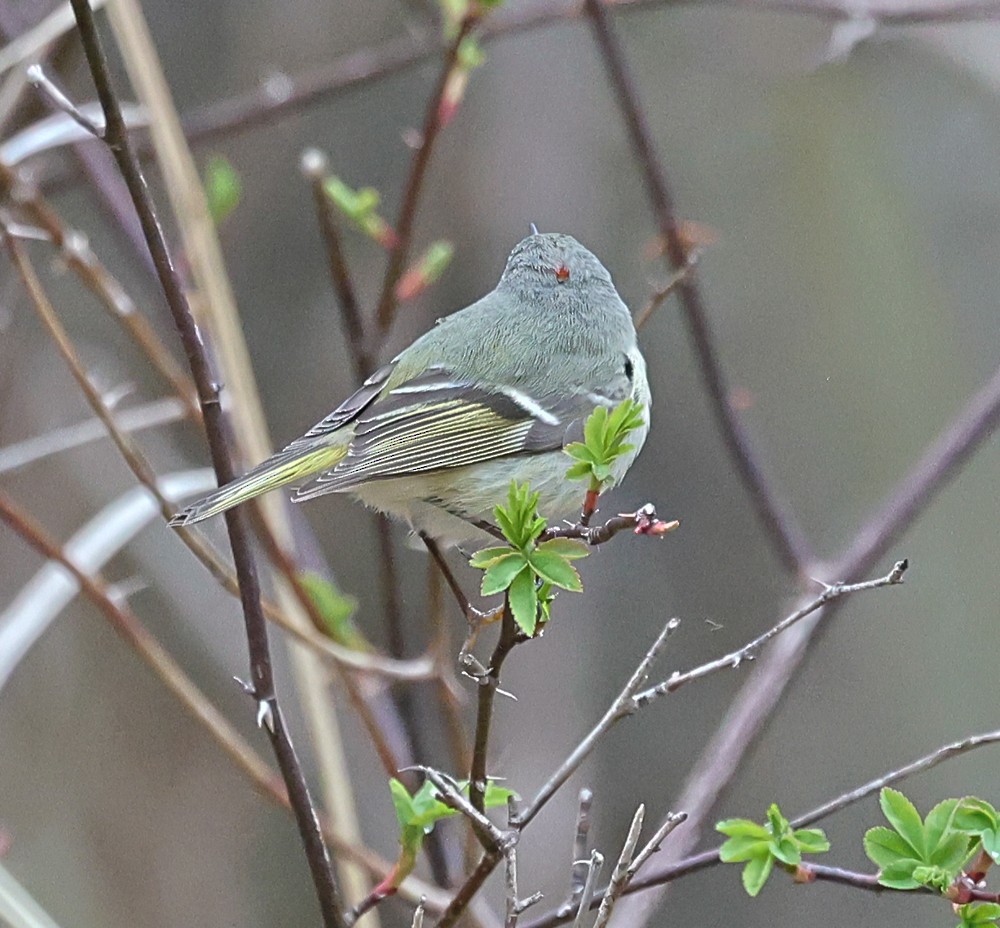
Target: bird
{"x": 492, "y": 393}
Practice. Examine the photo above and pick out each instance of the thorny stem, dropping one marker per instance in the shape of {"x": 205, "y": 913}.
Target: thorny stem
{"x": 262, "y": 680}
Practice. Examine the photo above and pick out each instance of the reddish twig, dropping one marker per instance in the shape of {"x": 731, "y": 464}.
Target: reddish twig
{"x": 262, "y": 678}
{"x": 433, "y": 123}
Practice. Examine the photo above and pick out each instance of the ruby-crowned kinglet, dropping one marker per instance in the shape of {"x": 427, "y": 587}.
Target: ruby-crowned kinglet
{"x": 492, "y": 393}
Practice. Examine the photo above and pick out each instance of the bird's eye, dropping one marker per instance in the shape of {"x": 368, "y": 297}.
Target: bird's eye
{"x": 629, "y": 369}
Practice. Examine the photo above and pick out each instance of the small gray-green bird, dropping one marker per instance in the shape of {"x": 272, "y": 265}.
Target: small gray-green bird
{"x": 492, "y": 393}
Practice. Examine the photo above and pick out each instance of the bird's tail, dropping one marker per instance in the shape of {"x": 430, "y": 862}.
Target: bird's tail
{"x": 284, "y": 467}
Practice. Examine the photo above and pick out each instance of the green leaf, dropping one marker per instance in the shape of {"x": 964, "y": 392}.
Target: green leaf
{"x": 975, "y": 816}
{"x": 336, "y": 609}
{"x": 742, "y": 827}
{"x": 488, "y": 556}
{"x": 501, "y": 574}
{"x": 786, "y": 850}
{"x": 978, "y": 915}
{"x": 903, "y": 816}
{"x": 991, "y": 844}
{"x": 811, "y": 840}
{"x": 496, "y": 795}
{"x": 577, "y": 471}
{"x": 223, "y": 188}
{"x": 755, "y": 874}
{"x": 743, "y": 847}
{"x": 402, "y": 802}
{"x": 556, "y": 570}
{"x": 524, "y": 601}
{"x": 899, "y": 875}
{"x": 570, "y": 548}
{"x": 885, "y": 847}
{"x": 579, "y": 451}
{"x": 952, "y": 852}
{"x": 937, "y": 825}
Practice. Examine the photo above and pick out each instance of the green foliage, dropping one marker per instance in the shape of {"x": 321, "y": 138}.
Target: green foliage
{"x": 915, "y": 852}
{"x": 336, "y": 609}
{"x": 360, "y": 206}
{"x": 978, "y": 915}
{"x": 425, "y": 270}
{"x": 527, "y": 570}
{"x": 604, "y": 435}
{"x": 759, "y": 846}
{"x": 418, "y": 814}
{"x": 978, "y": 818}
{"x": 223, "y": 188}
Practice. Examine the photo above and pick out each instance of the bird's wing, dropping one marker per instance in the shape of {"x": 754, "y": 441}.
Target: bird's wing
{"x": 435, "y": 421}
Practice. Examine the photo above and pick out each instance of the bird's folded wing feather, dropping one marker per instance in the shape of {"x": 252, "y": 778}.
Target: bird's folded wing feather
{"x": 435, "y": 422}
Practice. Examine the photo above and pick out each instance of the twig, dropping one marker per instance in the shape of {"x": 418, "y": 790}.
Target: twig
{"x": 919, "y": 765}
{"x": 116, "y": 137}
{"x": 467, "y": 891}
{"x": 644, "y": 521}
{"x": 672, "y": 821}
{"x": 620, "y": 875}
{"x": 749, "y": 651}
{"x": 315, "y": 170}
{"x": 418, "y": 916}
{"x": 790, "y": 544}
{"x": 415, "y": 179}
{"x": 488, "y": 684}
{"x": 594, "y": 867}
{"x": 514, "y": 905}
{"x": 581, "y": 843}
{"x": 48, "y": 88}
{"x": 657, "y": 297}
{"x": 491, "y": 838}
{"x": 623, "y": 706}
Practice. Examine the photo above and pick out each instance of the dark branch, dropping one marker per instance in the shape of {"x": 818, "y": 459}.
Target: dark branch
{"x": 262, "y": 680}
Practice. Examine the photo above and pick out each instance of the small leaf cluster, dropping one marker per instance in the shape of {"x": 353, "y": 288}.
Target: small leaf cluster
{"x": 528, "y": 570}
{"x": 761, "y": 845}
{"x": 360, "y": 207}
{"x": 604, "y": 435}
{"x": 418, "y": 814}
{"x": 917, "y": 852}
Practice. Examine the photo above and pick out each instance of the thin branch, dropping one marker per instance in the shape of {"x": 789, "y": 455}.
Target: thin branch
{"x": 315, "y": 170}
{"x": 468, "y": 890}
{"x": 594, "y": 866}
{"x": 786, "y": 537}
{"x": 644, "y": 521}
{"x": 433, "y": 123}
{"x": 749, "y": 651}
{"x": 489, "y": 682}
{"x": 268, "y": 104}
{"x": 620, "y": 875}
{"x": 54, "y": 95}
{"x": 623, "y": 706}
{"x": 491, "y": 837}
{"x": 672, "y": 821}
{"x": 116, "y": 137}
{"x": 948, "y": 751}
{"x": 581, "y": 844}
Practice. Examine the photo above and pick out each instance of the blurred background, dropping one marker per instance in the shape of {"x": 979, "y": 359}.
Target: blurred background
{"x": 851, "y": 172}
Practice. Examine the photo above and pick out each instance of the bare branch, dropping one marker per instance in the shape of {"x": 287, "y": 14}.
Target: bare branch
{"x": 117, "y": 139}
{"x": 623, "y": 706}
{"x": 594, "y": 867}
{"x": 749, "y": 651}
{"x": 785, "y": 535}
{"x": 620, "y": 875}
